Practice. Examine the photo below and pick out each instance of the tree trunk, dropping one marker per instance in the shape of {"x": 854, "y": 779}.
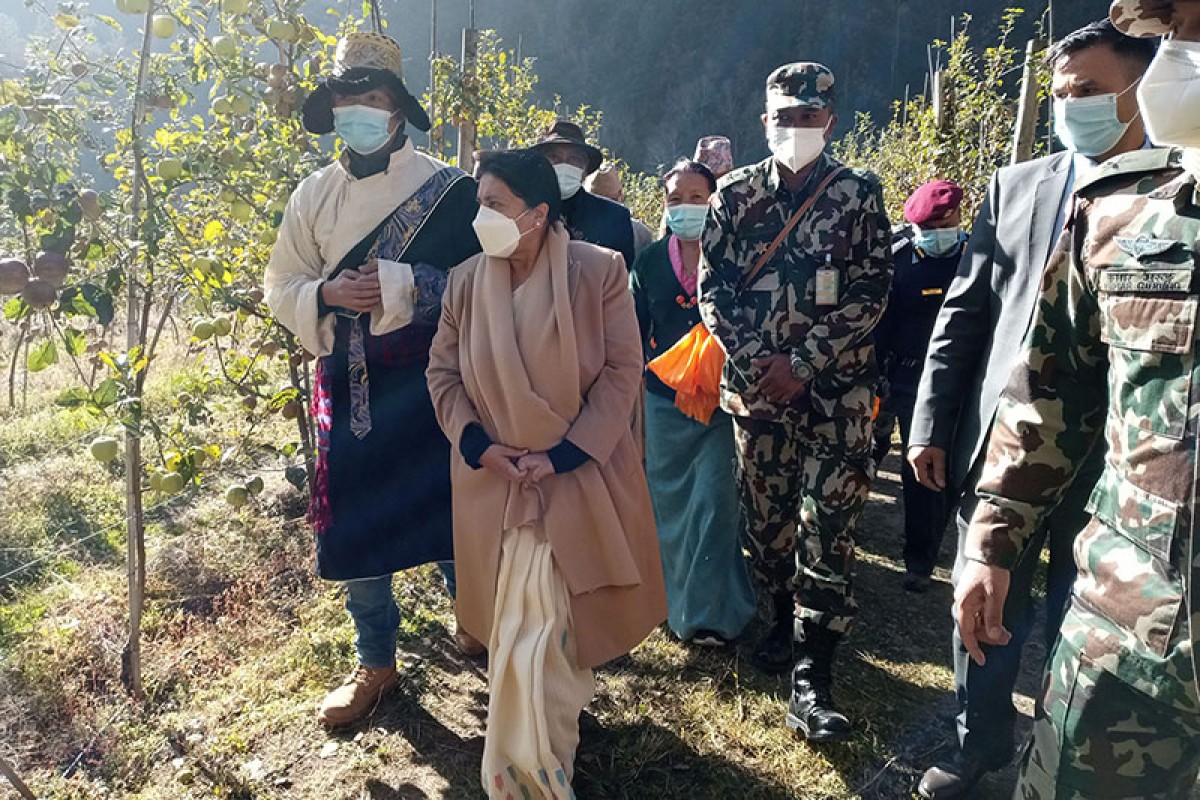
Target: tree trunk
{"x": 135, "y": 522}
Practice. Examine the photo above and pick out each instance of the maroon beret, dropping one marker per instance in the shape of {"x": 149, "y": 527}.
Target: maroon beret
{"x": 934, "y": 200}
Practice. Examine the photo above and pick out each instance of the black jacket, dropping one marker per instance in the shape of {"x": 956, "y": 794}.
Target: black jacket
{"x": 919, "y": 285}
{"x": 598, "y": 220}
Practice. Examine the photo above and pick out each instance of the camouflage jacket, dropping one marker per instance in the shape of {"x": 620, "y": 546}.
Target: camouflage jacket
{"x": 1110, "y": 361}
{"x": 847, "y": 230}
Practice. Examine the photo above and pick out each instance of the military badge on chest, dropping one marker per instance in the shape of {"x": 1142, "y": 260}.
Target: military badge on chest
{"x": 1148, "y": 268}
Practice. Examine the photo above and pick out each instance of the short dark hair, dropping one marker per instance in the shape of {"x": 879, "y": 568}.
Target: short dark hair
{"x": 1137, "y": 50}
{"x": 694, "y": 167}
{"x": 527, "y": 174}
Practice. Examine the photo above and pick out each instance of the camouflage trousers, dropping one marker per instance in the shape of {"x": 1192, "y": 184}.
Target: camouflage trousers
{"x": 802, "y": 488}
{"x": 1098, "y": 737}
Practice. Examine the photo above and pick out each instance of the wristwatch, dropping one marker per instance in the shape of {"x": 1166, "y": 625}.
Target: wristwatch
{"x": 801, "y": 369}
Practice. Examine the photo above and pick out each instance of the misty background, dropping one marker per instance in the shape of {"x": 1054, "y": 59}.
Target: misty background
{"x": 666, "y": 72}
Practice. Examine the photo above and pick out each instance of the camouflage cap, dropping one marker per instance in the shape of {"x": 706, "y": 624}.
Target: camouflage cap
{"x": 1143, "y": 17}
{"x": 803, "y": 83}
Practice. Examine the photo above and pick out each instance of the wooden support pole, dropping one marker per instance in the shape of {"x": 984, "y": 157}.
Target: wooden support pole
{"x": 1025, "y": 130}
{"x": 466, "y": 129}
{"x": 941, "y": 100}
{"x": 6, "y": 769}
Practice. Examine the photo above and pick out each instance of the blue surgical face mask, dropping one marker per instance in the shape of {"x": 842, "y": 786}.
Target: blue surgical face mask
{"x": 364, "y": 129}
{"x": 1089, "y": 125}
{"x": 937, "y": 241}
{"x": 687, "y": 220}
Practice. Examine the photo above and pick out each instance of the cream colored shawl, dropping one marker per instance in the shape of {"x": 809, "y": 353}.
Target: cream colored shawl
{"x": 523, "y": 371}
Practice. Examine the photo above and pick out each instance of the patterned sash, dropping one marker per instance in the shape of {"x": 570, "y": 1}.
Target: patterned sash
{"x": 390, "y": 244}
{"x": 388, "y": 241}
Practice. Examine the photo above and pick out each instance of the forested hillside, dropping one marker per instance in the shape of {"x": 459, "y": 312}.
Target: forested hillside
{"x": 669, "y": 71}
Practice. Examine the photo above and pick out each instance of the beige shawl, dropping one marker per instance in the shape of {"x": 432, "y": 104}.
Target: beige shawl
{"x": 561, "y": 357}
{"x": 520, "y": 367}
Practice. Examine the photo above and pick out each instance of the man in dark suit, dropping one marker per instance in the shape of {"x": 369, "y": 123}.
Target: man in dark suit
{"x": 975, "y": 342}
{"x": 593, "y": 219}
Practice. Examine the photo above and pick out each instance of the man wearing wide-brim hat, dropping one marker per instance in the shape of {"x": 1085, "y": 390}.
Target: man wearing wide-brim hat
{"x": 588, "y": 217}
{"x": 357, "y": 275}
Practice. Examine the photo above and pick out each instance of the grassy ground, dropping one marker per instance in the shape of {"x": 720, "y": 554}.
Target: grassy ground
{"x": 242, "y": 642}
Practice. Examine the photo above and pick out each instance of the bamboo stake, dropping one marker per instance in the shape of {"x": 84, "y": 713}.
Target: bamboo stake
{"x": 1027, "y": 107}
{"x": 8, "y": 772}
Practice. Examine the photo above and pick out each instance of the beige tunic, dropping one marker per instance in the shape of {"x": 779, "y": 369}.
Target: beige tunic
{"x": 329, "y": 213}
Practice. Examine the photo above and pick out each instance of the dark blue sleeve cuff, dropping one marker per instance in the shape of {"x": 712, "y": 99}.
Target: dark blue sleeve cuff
{"x": 473, "y": 444}
{"x": 323, "y": 308}
{"x": 566, "y": 457}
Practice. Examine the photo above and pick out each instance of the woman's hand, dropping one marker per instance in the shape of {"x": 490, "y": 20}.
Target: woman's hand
{"x": 503, "y": 461}
{"x": 535, "y": 466}
{"x": 354, "y": 289}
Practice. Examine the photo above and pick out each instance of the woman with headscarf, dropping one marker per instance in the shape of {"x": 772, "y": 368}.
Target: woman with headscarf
{"x": 533, "y": 374}
{"x": 689, "y": 462}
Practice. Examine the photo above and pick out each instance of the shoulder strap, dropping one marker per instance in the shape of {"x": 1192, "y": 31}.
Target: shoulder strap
{"x": 440, "y": 182}
{"x": 787, "y": 229}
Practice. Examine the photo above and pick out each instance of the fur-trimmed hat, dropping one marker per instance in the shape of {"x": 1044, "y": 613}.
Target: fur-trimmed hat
{"x": 364, "y": 60}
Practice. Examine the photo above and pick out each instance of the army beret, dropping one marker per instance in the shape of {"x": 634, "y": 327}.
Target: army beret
{"x": 932, "y": 201}
{"x": 1142, "y": 18}
{"x": 803, "y": 83}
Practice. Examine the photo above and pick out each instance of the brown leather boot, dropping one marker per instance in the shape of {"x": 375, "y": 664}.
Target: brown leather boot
{"x": 468, "y": 645}
{"x": 357, "y": 697}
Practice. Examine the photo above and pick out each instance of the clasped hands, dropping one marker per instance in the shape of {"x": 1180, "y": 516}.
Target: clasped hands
{"x": 355, "y": 289}
{"x": 777, "y": 382}
{"x": 516, "y": 465}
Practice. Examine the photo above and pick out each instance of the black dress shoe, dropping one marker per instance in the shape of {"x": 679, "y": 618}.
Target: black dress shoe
{"x": 957, "y": 775}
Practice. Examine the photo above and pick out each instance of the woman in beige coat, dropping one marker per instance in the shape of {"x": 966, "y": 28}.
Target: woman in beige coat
{"x": 533, "y": 373}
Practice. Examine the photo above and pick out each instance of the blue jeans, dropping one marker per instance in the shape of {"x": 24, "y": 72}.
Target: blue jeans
{"x": 376, "y": 620}
{"x": 987, "y": 716}
{"x": 450, "y": 577}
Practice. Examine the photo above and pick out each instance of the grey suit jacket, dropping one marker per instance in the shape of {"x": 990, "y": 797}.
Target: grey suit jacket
{"x": 977, "y": 338}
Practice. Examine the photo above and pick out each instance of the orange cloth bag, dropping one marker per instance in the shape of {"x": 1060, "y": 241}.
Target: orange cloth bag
{"x": 692, "y": 367}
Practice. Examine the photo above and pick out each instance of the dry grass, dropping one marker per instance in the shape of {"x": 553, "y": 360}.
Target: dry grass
{"x": 242, "y": 641}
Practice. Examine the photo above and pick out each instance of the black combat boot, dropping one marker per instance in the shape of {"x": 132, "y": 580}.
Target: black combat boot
{"x": 773, "y": 652}
{"x": 811, "y": 710}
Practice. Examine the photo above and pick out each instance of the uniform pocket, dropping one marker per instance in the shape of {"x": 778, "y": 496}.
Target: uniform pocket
{"x": 1145, "y": 519}
{"x": 1151, "y": 355}
{"x": 1123, "y": 581}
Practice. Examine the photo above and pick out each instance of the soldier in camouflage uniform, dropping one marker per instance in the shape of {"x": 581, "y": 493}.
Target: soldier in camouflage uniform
{"x": 1112, "y": 353}
{"x": 800, "y": 373}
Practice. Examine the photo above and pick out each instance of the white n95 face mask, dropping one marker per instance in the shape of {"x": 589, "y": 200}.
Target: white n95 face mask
{"x": 570, "y": 178}
{"x": 498, "y": 234}
{"x": 1169, "y": 95}
{"x": 796, "y": 148}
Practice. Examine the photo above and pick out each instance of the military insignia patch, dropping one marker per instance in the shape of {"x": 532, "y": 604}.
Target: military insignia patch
{"x": 1144, "y": 245}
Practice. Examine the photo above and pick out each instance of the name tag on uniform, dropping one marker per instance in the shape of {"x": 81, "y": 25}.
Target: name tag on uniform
{"x": 1145, "y": 280}
{"x": 827, "y": 286}
{"x": 936, "y": 290}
